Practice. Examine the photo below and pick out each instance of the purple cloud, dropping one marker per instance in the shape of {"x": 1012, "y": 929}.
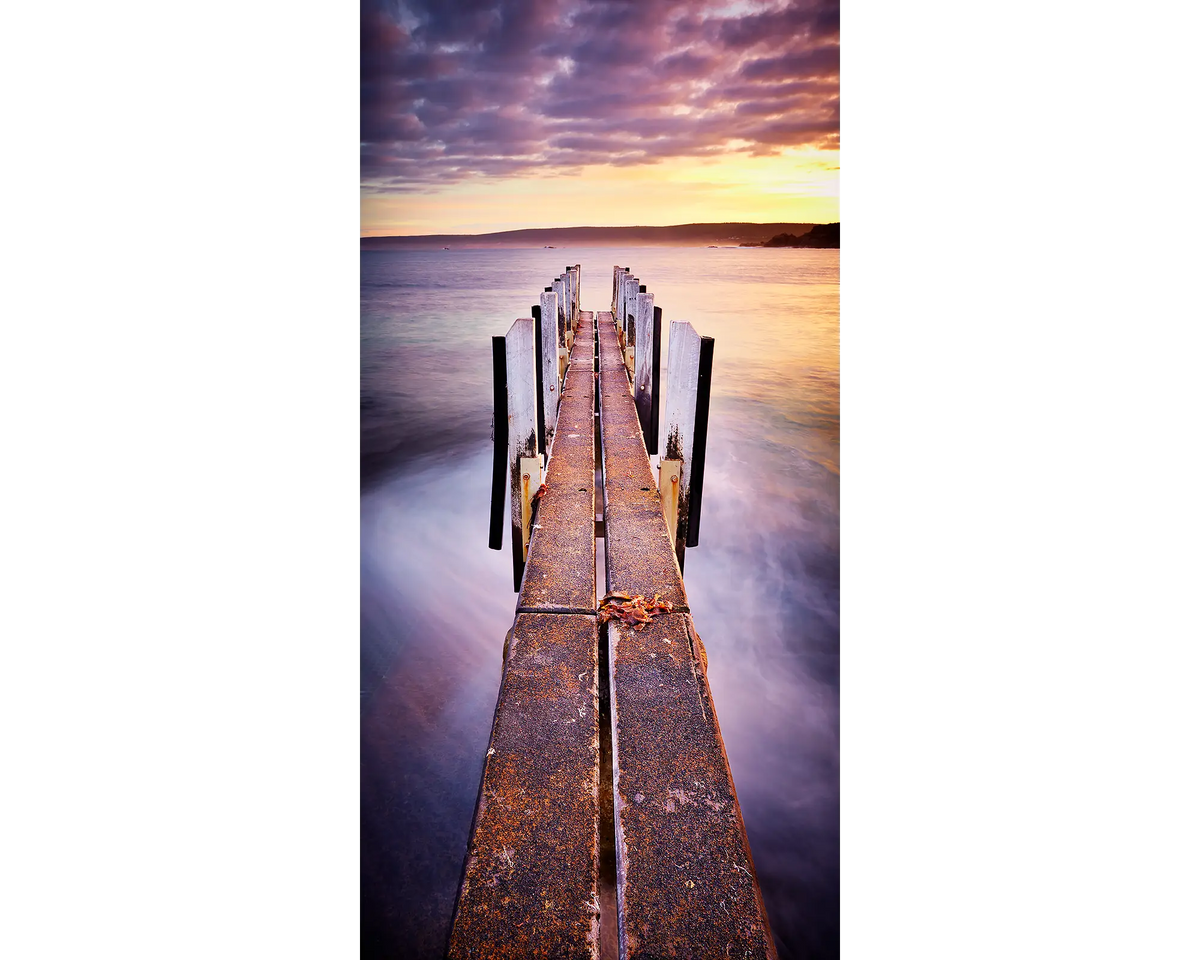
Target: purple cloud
{"x": 496, "y": 87}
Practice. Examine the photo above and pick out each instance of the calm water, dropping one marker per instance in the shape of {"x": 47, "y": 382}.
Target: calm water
{"x": 436, "y": 603}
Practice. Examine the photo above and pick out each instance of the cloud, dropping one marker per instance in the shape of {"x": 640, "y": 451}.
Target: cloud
{"x": 490, "y": 88}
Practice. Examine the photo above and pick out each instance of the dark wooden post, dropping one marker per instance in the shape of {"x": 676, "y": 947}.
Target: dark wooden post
{"x": 499, "y": 443}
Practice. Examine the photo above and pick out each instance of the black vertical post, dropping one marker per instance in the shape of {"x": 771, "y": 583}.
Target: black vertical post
{"x": 633, "y": 316}
{"x": 518, "y": 562}
{"x": 499, "y": 444}
{"x": 699, "y": 442}
{"x": 537, "y": 359}
{"x": 656, "y": 359}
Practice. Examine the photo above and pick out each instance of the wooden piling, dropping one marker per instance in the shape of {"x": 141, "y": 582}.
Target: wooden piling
{"x": 683, "y": 375}
{"x": 522, "y": 431}
{"x": 499, "y": 442}
{"x": 539, "y": 384}
{"x": 700, "y": 442}
{"x": 567, "y": 333}
{"x": 645, "y": 356}
{"x": 627, "y": 320}
{"x": 571, "y": 277}
{"x": 551, "y": 382}
{"x": 578, "y": 292}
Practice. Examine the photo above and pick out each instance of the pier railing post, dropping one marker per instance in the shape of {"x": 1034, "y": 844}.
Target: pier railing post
{"x": 578, "y": 294}
{"x": 499, "y": 442}
{"x": 644, "y": 356}
{"x": 524, "y": 477}
{"x": 551, "y": 364}
{"x": 560, "y": 289}
{"x": 539, "y": 378}
{"x": 700, "y": 444}
{"x": 626, "y": 324}
{"x": 683, "y": 423}
{"x": 655, "y": 381}
{"x": 619, "y": 309}
{"x": 572, "y": 280}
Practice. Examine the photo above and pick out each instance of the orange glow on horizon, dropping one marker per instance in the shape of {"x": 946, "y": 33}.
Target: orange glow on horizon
{"x": 794, "y": 186}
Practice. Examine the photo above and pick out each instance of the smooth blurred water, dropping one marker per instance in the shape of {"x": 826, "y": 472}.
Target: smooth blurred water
{"x": 763, "y": 584}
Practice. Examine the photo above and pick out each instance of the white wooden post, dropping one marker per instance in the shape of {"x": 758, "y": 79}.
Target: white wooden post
{"x": 631, "y": 292}
{"x": 643, "y": 358}
{"x": 619, "y": 315}
{"x": 550, "y": 377}
{"x": 560, "y": 288}
{"x": 573, "y": 296}
{"x": 578, "y": 292}
{"x": 616, "y": 279}
{"x": 563, "y": 349}
{"x": 522, "y": 430}
{"x": 683, "y": 378}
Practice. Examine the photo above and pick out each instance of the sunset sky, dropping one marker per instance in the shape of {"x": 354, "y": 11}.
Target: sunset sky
{"x": 487, "y": 115}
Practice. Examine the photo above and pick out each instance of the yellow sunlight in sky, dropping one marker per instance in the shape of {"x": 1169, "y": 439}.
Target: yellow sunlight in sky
{"x": 796, "y": 186}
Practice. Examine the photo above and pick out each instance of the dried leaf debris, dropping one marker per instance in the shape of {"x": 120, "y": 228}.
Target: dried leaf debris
{"x": 635, "y": 611}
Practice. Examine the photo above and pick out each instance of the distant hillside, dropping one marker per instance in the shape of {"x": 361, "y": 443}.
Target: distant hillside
{"x": 827, "y": 235}
{"x": 687, "y": 234}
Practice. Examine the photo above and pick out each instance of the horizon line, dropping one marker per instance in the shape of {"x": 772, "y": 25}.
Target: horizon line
{"x": 671, "y": 226}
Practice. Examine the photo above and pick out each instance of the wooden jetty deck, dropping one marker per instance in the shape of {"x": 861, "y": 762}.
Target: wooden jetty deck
{"x": 607, "y": 823}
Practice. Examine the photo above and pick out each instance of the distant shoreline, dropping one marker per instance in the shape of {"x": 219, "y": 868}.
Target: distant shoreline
{"x": 687, "y": 234}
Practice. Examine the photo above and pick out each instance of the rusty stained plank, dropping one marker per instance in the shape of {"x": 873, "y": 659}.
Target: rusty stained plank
{"x": 529, "y": 887}
{"x": 637, "y": 550}
{"x": 686, "y": 885}
{"x": 560, "y": 574}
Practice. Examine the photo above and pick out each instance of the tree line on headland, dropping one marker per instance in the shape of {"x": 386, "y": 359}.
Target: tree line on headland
{"x": 826, "y": 235}
{"x": 686, "y": 234}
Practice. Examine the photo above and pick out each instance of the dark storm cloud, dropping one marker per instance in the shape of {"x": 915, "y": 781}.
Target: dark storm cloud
{"x": 496, "y": 87}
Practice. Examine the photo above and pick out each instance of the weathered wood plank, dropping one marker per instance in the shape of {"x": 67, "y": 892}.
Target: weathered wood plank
{"x": 686, "y": 885}
{"x": 638, "y": 553}
{"x": 530, "y": 885}
{"x": 560, "y": 575}
{"x": 685, "y": 878}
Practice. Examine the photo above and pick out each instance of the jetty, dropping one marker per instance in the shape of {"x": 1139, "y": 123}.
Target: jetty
{"x": 607, "y": 824}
